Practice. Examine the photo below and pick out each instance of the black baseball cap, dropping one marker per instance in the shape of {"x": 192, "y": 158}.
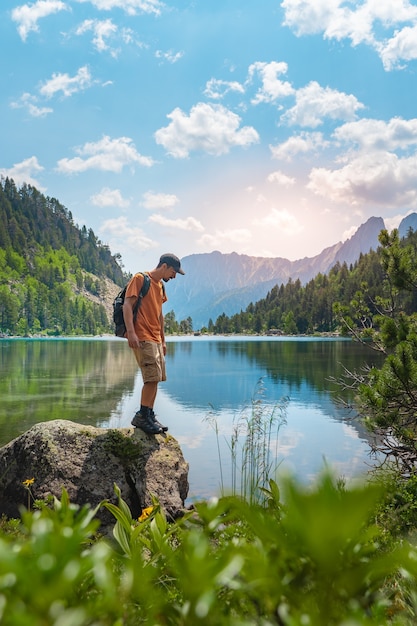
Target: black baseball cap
{"x": 172, "y": 261}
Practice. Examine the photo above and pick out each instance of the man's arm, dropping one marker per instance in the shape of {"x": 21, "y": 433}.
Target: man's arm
{"x": 164, "y": 347}
{"x": 128, "y": 306}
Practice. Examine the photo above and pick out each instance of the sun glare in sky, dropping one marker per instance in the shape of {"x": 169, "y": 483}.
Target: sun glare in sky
{"x": 263, "y": 128}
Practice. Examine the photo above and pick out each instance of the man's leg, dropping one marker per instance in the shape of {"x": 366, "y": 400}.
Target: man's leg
{"x": 149, "y": 391}
{"x": 150, "y": 359}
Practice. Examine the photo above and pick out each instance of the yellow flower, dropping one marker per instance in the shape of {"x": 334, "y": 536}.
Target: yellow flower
{"x": 145, "y": 513}
{"x": 28, "y": 482}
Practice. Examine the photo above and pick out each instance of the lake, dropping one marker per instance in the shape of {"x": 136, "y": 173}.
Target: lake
{"x": 213, "y": 384}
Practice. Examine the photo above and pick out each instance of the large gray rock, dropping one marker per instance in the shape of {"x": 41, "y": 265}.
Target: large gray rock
{"x": 87, "y": 461}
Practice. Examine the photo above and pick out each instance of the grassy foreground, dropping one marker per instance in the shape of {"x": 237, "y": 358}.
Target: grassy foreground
{"x": 315, "y": 556}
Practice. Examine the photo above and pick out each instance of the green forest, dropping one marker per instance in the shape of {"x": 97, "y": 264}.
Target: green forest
{"x": 49, "y": 266}
{"x": 295, "y": 308}
{"x": 53, "y": 281}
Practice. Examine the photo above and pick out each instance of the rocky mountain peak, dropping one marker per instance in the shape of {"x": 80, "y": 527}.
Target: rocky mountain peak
{"x": 217, "y": 283}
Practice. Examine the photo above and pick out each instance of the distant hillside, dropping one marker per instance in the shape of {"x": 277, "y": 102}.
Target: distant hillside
{"x": 29, "y": 219}
{"x": 217, "y": 283}
{"x": 54, "y": 277}
{"x": 407, "y": 224}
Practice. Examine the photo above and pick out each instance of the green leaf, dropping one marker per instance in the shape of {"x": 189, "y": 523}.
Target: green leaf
{"x": 121, "y": 517}
{"x": 123, "y": 538}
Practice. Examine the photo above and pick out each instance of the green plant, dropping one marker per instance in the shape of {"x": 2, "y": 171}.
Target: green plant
{"x": 121, "y": 446}
{"x": 27, "y": 485}
{"x": 253, "y": 446}
{"x": 386, "y": 321}
{"x": 10, "y": 528}
{"x": 397, "y": 512}
{"x": 148, "y": 543}
{"x": 313, "y": 556}
{"x": 53, "y": 574}
{"x": 310, "y": 556}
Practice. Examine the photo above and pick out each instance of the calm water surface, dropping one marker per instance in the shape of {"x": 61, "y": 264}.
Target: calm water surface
{"x": 210, "y": 379}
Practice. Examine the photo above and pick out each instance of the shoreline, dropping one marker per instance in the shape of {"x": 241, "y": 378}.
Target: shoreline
{"x": 186, "y": 336}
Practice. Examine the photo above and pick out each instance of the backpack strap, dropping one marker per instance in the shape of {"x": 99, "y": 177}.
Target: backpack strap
{"x": 144, "y": 290}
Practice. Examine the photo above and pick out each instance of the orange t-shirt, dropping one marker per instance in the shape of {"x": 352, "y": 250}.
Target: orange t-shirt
{"x": 148, "y": 320}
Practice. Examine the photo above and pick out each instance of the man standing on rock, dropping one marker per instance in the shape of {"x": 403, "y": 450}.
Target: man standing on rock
{"x": 146, "y": 337}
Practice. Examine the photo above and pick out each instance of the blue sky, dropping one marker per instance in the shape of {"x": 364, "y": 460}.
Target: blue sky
{"x": 268, "y": 128}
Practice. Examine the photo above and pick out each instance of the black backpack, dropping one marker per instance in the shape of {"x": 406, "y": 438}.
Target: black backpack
{"x": 119, "y": 322}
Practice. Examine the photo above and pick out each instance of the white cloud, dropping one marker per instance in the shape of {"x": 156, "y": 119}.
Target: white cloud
{"x": 109, "y": 197}
{"x": 217, "y": 89}
{"x": 281, "y": 220}
{"x": 29, "y": 102}
{"x": 306, "y": 17}
{"x": 28, "y": 15}
{"x": 189, "y": 223}
{"x": 226, "y": 239}
{"x": 401, "y": 47}
{"x": 110, "y": 155}
{"x": 375, "y": 178}
{"x": 347, "y": 234}
{"x": 121, "y": 233}
{"x": 281, "y": 178}
{"x": 314, "y": 103}
{"x": 153, "y": 201}
{"x": 66, "y": 84}
{"x": 128, "y": 36}
{"x": 170, "y": 56}
{"x": 105, "y": 33}
{"x": 24, "y": 172}
{"x": 58, "y": 83}
{"x": 210, "y": 128}
{"x": 132, "y": 7}
{"x": 298, "y": 144}
{"x": 395, "y": 220}
{"x": 272, "y": 87}
{"x": 388, "y": 26}
{"x": 371, "y": 134}
{"x": 101, "y": 29}
{"x": 371, "y": 172}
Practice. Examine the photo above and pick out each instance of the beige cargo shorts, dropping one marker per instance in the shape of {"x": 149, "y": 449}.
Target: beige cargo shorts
{"x": 151, "y": 360}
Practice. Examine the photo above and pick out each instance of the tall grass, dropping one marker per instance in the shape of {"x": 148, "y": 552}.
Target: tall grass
{"x": 253, "y": 446}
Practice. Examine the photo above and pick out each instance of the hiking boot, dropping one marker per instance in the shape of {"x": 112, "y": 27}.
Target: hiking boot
{"x": 155, "y": 421}
{"x": 146, "y": 423}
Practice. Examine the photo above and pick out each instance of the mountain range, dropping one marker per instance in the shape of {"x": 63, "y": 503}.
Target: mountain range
{"x": 44, "y": 253}
{"x": 216, "y": 283}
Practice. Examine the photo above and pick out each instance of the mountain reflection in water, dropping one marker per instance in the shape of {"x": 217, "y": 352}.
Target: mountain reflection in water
{"x": 96, "y": 381}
